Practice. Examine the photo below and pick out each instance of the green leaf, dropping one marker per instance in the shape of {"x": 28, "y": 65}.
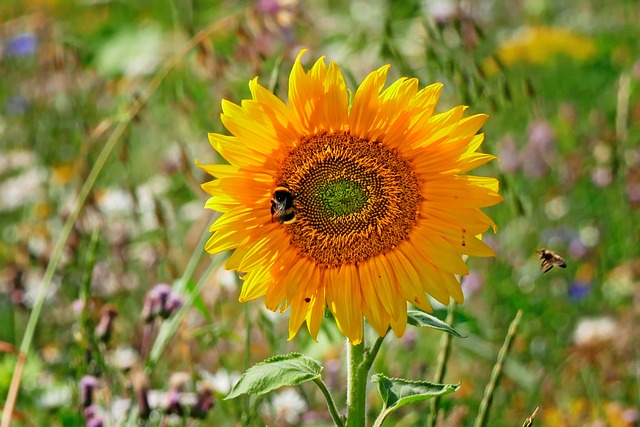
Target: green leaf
{"x": 397, "y": 392}
{"x": 422, "y": 319}
{"x": 275, "y": 372}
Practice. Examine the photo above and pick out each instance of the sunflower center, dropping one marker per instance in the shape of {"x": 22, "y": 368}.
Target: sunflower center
{"x": 341, "y": 197}
{"x": 355, "y": 198}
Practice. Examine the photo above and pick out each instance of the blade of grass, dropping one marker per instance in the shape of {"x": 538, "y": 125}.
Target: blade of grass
{"x": 529, "y": 421}
{"x": 88, "y": 326}
{"x": 485, "y": 405}
{"x": 622, "y": 107}
{"x": 107, "y": 149}
{"x": 619, "y": 167}
{"x": 593, "y": 392}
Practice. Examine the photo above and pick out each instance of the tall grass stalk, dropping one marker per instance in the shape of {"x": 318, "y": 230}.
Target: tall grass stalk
{"x": 487, "y": 399}
{"x": 529, "y": 421}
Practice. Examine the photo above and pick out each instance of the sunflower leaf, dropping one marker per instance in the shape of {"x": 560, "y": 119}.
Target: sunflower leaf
{"x": 275, "y": 372}
{"x": 421, "y": 319}
{"x": 397, "y": 392}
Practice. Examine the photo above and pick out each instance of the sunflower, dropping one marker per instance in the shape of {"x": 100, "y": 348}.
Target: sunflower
{"x": 356, "y": 206}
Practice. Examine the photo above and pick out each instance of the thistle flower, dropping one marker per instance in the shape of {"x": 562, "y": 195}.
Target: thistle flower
{"x": 104, "y": 328}
{"x": 92, "y": 417}
{"x": 160, "y": 301}
{"x": 140, "y": 384}
{"x": 88, "y": 384}
{"x": 177, "y": 383}
{"x": 204, "y": 402}
{"x": 359, "y": 206}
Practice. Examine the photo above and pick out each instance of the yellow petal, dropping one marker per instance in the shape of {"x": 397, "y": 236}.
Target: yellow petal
{"x": 317, "y": 304}
{"x": 382, "y": 282}
{"x": 399, "y": 325}
{"x": 408, "y": 280}
{"x": 430, "y": 279}
{"x": 438, "y": 251}
{"x": 255, "y": 284}
{"x": 365, "y": 102}
{"x": 371, "y": 305}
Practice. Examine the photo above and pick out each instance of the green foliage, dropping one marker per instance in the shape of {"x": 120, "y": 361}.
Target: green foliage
{"x": 398, "y": 392}
{"x": 424, "y": 320}
{"x": 275, "y": 372}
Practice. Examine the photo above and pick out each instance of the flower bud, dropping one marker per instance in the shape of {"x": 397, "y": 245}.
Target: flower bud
{"x": 160, "y": 301}
{"x": 148, "y": 308}
{"x": 177, "y": 383}
{"x": 204, "y": 403}
{"x": 140, "y": 384}
{"x": 88, "y": 383}
{"x": 161, "y": 294}
{"x": 172, "y": 304}
{"x": 91, "y": 417}
{"x": 95, "y": 422}
{"x": 105, "y": 325}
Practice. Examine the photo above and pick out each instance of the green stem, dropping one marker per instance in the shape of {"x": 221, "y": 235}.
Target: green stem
{"x": 591, "y": 388}
{"x": 370, "y": 355}
{"x": 485, "y": 405}
{"x": 356, "y": 385}
{"x": 333, "y": 410}
{"x": 91, "y": 342}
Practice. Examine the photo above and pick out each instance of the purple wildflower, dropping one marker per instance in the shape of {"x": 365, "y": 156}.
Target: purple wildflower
{"x": 88, "y": 384}
{"x": 204, "y": 402}
{"x": 105, "y": 325}
{"x": 22, "y": 45}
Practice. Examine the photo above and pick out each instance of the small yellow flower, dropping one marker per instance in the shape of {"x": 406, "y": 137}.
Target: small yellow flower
{"x": 378, "y": 212}
{"x": 540, "y": 44}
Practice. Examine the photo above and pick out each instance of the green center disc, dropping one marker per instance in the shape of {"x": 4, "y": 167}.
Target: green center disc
{"x": 341, "y": 197}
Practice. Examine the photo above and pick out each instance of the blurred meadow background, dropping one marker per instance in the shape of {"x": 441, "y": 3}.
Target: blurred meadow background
{"x": 118, "y": 97}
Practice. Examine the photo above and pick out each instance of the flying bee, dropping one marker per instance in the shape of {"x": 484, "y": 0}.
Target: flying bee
{"x": 282, "y": 205}
{"x": 550, "y": 259}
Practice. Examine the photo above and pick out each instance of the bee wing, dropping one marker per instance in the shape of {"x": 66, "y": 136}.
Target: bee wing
{"x": 546, "y": 265}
